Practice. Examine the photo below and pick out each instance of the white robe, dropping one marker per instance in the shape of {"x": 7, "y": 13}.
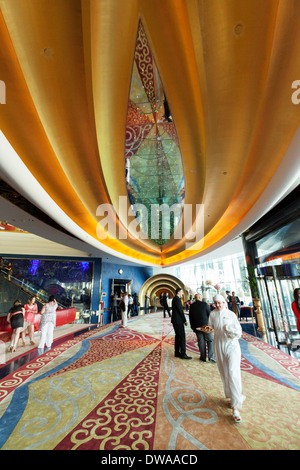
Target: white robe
{"x": 227, "y": 332}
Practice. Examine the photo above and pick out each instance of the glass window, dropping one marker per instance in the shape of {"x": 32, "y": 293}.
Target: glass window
{"x": 227, "y": 273}
{"x": 279, "y": 243}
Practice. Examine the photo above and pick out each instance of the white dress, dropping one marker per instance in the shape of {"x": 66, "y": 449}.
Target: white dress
{"x": 227, "y": 332}
{"x": 125, "y": 313}
{"x": 47, "y": 324}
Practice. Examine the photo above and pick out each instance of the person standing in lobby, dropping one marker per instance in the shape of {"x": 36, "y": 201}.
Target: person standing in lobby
{"x": 179, "y": 321}
{"x": 48, "y": 322}
{"x": 130, "y": 305}
{"x": 122, "y": 310}
{"x": 165, "y": 304}
{"x": 199, "y": 315}
{"x": 31, "y": 309}
{"x": 227, "y": 331}
{"x": 126, "y": 303}
{"x": 114, "y": 307}
{"x": 16, "y": 319}
{"x": 235, "y": 303}
{"x": 136, "y": 304}
{"x": 296, "y": 307}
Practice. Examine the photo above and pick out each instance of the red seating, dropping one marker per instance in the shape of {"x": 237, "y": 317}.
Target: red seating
{"x": 63, "y": 317}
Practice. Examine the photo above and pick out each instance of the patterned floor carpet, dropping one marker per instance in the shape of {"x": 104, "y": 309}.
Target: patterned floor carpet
{"x": 116, "y": 388}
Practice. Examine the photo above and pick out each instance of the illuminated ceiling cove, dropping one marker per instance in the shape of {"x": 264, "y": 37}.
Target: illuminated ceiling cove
{"x": 153, "y": 130}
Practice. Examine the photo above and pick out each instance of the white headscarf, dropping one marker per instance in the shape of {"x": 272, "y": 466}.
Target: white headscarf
{"x": 219, "y": 298}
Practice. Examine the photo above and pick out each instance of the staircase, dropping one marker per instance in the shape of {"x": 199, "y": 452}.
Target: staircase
{"x": 9, "y": 292}
{"x": 12, "y": 289}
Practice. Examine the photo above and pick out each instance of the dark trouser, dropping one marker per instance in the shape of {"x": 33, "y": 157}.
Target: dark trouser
{"x": 204, "y": 338}
{"x": 130, "y": 310}
{"x": 135, "y": 309}
{"x": 114, "y": 313}
{"x": 179, "y": 339}
{"x": 166, "y": 307}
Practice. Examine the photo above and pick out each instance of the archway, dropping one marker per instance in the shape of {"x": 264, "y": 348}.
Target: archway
{"x": 160, "y": 283}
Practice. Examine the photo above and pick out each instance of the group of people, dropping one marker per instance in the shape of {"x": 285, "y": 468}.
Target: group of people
{"x": 22, "y": 318}
{"x": 220, "y": 330}
{"x": 127, "y": 304}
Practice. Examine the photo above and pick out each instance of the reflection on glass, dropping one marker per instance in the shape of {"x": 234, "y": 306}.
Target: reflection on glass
{"x": 228, "y": 272}
{"x": 276, "y": 296}
{"x": 268, "y": 313}
{"x": 69, "y": 281}
{"x": 286, "y": 287}
{"x": 279, "y": 243}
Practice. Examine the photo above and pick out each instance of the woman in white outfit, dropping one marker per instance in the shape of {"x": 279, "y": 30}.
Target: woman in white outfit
{"x": 227, "y": 332}
{"x": 124, "y": 308}
{"x": 48, "y": 322}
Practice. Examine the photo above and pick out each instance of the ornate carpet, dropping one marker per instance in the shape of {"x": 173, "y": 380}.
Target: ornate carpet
{"x": 116, "y": 388}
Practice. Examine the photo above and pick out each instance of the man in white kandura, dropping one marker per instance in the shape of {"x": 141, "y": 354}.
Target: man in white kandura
{"x": 227, "y": 351}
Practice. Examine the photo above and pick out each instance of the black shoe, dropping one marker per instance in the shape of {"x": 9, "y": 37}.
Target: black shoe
{"x": 177, "y": 355}
{"x": 202, "y": 360}
{"x": 186, "y": 357}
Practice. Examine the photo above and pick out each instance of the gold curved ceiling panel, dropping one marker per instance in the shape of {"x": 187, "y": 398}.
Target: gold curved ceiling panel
{"x": 226, "y": 67}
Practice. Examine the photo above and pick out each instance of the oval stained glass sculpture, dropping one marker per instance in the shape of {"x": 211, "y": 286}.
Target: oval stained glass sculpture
{"x": 154, "y": 171}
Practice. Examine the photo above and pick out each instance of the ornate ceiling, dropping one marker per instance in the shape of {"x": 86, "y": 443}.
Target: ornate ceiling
{"x": 114, "y": 106}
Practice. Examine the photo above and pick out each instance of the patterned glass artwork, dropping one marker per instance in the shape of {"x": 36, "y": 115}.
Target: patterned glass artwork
{"x": 154, "y": 171}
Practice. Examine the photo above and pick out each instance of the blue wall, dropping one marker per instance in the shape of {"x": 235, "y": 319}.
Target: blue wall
{"x": 110, "y": 271}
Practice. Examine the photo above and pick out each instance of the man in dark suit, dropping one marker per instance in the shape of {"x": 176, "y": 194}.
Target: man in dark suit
{"x": 179, "y": 321}
{"x": 165, "y": 304}
{"x": 199, "y": 313}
